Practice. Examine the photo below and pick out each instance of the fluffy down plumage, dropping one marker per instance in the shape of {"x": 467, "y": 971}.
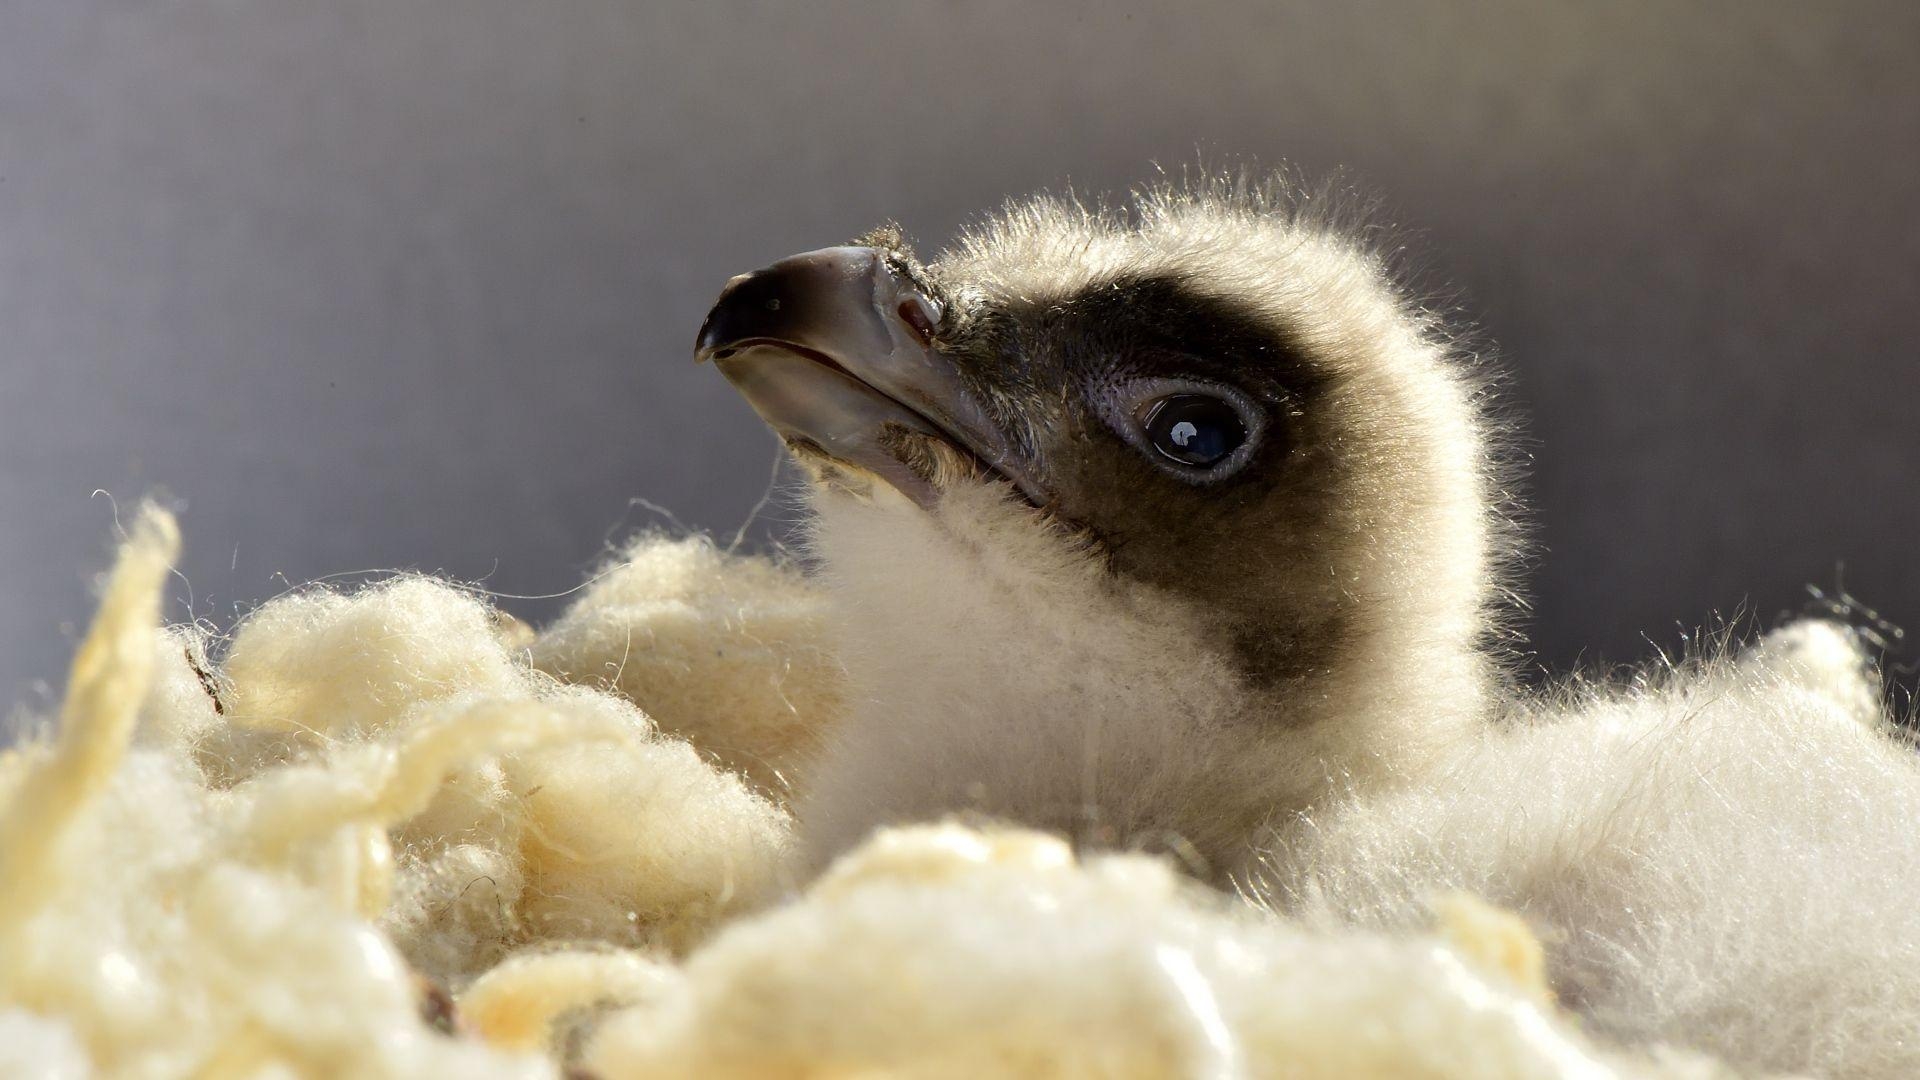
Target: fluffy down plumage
{"x": 1722, "y": 857}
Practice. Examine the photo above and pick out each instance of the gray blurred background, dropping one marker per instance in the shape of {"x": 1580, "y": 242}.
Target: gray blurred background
{"x": 413, "y": 283}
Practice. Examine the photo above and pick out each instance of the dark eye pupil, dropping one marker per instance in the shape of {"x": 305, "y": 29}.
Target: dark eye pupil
{"x": 1193, "y": 429}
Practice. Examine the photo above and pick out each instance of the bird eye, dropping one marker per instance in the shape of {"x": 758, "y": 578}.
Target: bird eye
{"x": 1199, "y": 432}
{"x": 1193, "y": 429}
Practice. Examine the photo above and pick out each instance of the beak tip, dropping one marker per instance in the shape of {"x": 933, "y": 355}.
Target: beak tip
{"x": 713, "y": 338}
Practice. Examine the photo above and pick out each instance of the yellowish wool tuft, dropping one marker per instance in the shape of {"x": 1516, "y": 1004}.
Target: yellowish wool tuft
{"x": 1497, "y": 940}
{"x": 722, "y": 650}
{"x": 520, "y": 1004}
{"x": 110, "y": 675}
{"x": 408, "y": 642}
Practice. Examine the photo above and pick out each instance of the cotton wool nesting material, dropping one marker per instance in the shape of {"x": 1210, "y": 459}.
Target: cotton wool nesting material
{"x": 722, "y": 650}
{"x": 272, "y": 860}
{"x": 370, "y": 837}
{"x": 940, "y": 951}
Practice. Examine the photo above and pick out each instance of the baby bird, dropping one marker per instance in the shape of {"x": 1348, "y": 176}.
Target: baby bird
{"x": 1180, "y": 526}
{"x": 1151, "y": 528}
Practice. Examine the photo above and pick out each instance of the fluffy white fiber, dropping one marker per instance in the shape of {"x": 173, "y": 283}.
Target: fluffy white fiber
{"x": 283, "y": 862}
{"x": 725, "y": 651}
{"x": 370, "y": 837}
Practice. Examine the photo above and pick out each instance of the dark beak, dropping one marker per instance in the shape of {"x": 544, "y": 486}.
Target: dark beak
{"x": 834, "y": 350}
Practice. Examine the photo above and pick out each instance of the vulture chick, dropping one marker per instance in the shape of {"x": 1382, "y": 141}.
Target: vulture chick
{"x": 1180, "y": 527}
{"x": 1146, "y": 530}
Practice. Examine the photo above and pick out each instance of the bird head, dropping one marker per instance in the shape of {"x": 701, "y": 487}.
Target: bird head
{"x": 1152, "y": 520}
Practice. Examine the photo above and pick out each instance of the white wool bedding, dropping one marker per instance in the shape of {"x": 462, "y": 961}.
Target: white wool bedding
{"x": 389, "y": 833}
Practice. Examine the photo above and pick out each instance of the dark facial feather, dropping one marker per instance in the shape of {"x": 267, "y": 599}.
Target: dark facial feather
{"x": 1043, "y": 365}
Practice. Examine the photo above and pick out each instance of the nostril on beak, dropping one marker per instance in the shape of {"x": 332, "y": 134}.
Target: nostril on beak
{"x": 921, "y": 314}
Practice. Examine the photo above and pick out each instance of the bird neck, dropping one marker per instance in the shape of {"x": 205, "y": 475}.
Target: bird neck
{"x": 997, "y": 671}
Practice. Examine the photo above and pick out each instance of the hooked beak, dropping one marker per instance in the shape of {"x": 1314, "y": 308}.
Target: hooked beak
{"x": 834, "y": 350}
